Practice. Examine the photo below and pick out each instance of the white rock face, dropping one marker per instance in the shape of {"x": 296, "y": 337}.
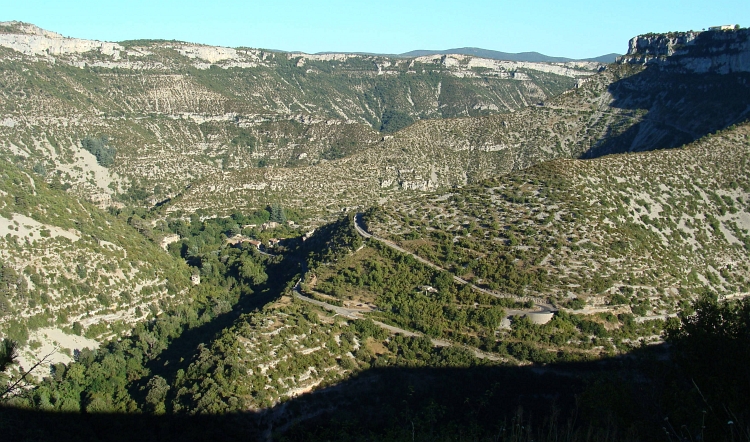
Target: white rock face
{"x": 557, "y": 68}
{"x": 32, "y": 40}
{"x": 212, "y": 54}
{"x": 169, "y": 239}
{"x": 463, "y": 65}
{"x": 660, "y": 44}
{"x": 587, "y": 65}
{"x": 37, "y": 41}
{"x": 418, "y": 185}
{"x": 321, "y": 57}
{"x": 481, "y": 106}
{"x": 28, "y": 28}
{"x": 450, "y": 61}
{"x": 255, "y": 186}
{"x": 720, "y": 52}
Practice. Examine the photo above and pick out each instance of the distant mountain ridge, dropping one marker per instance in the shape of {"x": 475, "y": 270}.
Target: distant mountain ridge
{"x": 497, "y": 55}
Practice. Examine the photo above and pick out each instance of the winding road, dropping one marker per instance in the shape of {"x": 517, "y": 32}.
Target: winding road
{"x": 543, "y": 306}
{"x": 351, "y": 313}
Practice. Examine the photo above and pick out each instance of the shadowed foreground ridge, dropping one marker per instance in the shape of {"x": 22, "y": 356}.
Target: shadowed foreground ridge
{"x": 391, "y": 403}
{"x": 640, "y": 396}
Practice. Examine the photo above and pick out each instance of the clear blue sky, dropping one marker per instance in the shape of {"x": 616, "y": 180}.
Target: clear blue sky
{"x": 576, "y": 29}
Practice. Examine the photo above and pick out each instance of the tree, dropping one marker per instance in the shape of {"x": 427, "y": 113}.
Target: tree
{"x": 157, "y": 394}
{"x": 393, "y": 121}
{"x": 98, "y": 146}
{"x": 712, "y": 348}
{"x": 277, "y": 213}
{"x": 8, "y": 354}
{"x": 234, "y": 229}
{"x": 8, "y": 357}
{"x": 253, "y": 271}
{"x": 39, "y": 169}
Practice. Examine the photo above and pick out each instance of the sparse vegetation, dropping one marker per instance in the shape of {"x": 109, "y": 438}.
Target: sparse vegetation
{"x": 214, "y": 255}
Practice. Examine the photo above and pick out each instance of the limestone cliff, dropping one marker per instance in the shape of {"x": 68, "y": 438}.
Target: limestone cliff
{"x": 33, "y": 40}
{"x": 718, "y": 52}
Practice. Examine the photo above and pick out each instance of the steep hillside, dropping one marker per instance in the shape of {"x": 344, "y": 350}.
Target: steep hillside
{"x": 637, "y": 232}
{"x": 176, "y": 112}
{"x": 617, "y": 243}
{"x": 66, "y": 266}
{"x": 251, "y": 340}
{"x": 622, "y": 109}
{"x": 626, "y": 108}
{"x": 213, "y": 128}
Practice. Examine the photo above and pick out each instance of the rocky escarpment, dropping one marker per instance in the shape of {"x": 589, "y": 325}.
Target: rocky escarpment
{"x": 33, "y": 40}
{"x": 719, "y": 52}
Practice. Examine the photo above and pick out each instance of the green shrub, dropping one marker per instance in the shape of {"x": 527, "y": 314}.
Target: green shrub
{"x": 98, "y": 146}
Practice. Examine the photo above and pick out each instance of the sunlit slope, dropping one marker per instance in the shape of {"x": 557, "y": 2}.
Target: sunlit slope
{"x": 659, "y": 225}
{"x": 65, "y": 261}
{"x": 622, "y": 109}
{"x": 176, "y": 112}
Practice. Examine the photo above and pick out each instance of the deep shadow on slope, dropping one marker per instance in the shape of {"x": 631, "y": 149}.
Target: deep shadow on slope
{"x": 24, "y": 425}
{"x": 375, "y": 404}
{"x": 183, "y": 349}
{"x": 681, "y": 108}
{"x": 624, "y": 398}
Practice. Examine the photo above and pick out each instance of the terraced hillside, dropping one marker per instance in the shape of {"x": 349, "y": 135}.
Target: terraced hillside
{"x": 176, "y": 112}
{"x": 625, "y": 108}
{"x": 290, "y": 344}
{"x": 638, "y": 232}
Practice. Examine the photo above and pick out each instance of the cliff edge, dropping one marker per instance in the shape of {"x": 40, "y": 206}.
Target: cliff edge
{"x": 718, "y": 52}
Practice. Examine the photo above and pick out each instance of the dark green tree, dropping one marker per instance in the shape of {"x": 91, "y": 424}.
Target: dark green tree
{"x": 98, "y": 146}
{"x": 393, "y": 121}
{"x": 8, "y": 354}
{"x": 157, "y": 394}
{"x": 277, "y": 213}
{"x": 712, "y": 348}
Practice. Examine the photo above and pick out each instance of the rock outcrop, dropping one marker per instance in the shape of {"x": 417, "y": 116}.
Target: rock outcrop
{"x": 32, "y": 40}
{"x": 466, "y": 65}
{"x": 718, "y": 52}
